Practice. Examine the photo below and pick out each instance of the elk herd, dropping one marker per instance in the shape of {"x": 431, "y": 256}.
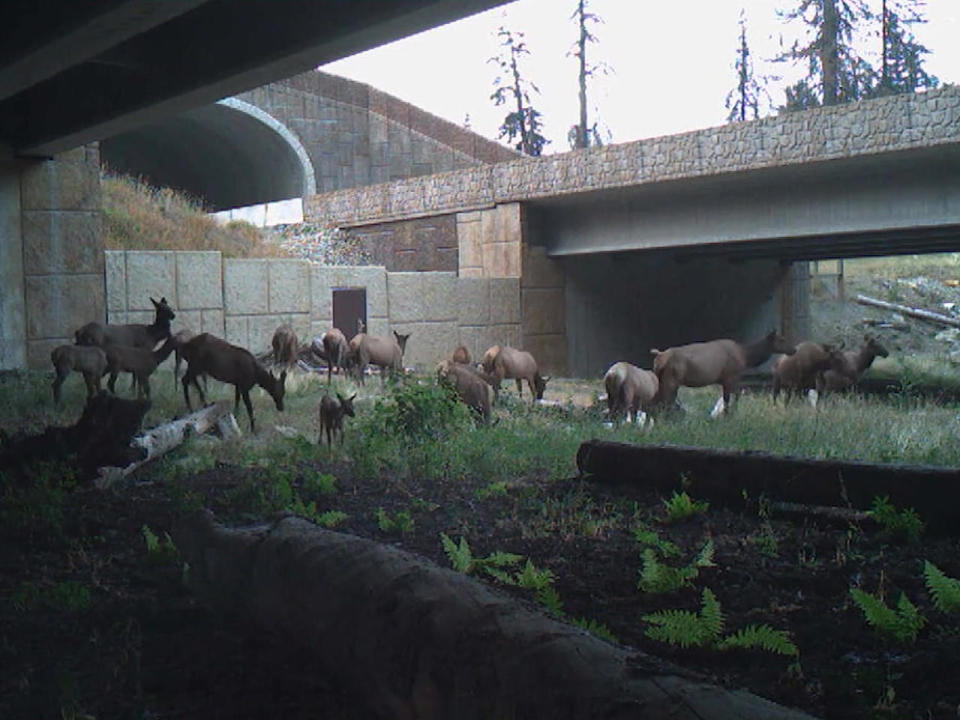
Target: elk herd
{"x": 632, "y": 392}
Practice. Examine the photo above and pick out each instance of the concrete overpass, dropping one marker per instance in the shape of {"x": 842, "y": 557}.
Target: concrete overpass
{"x": 76, "y": 71}
{"x": 686, "y": 237}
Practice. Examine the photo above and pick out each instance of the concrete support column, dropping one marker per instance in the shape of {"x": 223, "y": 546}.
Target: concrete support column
{"x": 13, "y": 322}
{"x": 795, "y": 301}
{"x": 63, "y": 260}
{"x": 544, "y": 326}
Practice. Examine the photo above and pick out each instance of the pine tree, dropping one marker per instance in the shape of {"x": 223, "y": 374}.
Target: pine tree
{"x": 522, "y": 124}
{"x": 902, "y": 57}
{"x": 836, "y": 73}
{"x": 744, "y": 99}
{"x": 583, "y": 134}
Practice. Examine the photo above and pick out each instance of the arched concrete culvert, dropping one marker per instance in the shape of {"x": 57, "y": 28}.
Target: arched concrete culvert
{"x": 229, "y": 154}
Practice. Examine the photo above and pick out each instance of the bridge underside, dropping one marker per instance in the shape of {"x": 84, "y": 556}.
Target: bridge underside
{"x": 907, "y": 202}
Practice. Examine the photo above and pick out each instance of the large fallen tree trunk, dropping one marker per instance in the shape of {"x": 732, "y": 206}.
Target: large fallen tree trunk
{"x": 418, "y": 641}
{"x": 918, "y": 313}
{"x": 725, "y": 475}
{"x": 163, "y": 438}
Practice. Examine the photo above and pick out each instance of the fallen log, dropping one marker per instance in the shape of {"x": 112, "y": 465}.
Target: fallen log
{"x": 918, "y": 313}
{"x": 723, "y": 476}
{"x": 418, "y": 641}
{"x": 163, "y": 438}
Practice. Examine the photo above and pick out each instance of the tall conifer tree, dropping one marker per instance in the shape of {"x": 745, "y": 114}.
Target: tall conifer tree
{"x": 584, "y": 134}
{"x": 523, "y": 123}
{"x": 902, "y": 57}
{"x": 743, "y": 101}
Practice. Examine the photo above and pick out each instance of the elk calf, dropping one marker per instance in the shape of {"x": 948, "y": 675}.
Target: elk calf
{"x": 88, "y": 360}
{"x": 332, "y": 411}
{"x": 286, "y": 346}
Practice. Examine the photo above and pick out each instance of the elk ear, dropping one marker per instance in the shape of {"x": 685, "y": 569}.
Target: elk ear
{"x": 545, "y": 378}
{"x": 155, "y": 303}
{"x": 352, "y": 397}
{"x": 283, "y": 376}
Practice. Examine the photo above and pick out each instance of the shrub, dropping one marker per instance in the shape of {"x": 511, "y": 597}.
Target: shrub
{"x": 898, "y": 523}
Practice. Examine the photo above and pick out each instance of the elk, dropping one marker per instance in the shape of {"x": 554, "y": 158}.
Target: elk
{"x": 630, "y": 390}
{"x": 717, "y": 362}
{"x": 387, "y": 353}
{"x": 209, "y": 355}
{"x": 141, "y": 336}
{"x": 461, "y": 355}
{"x": 855, "y": 363}
{"x": 471, "y": 388}
{"x": 286, "y": 346}
{"x": 802, "y": 371}
{"x": 336, "y": 349}
{"x": 89, "y": 361}
{"x": 332, "y": 412}
{"x": 180, "y": 337}
{"x": 486, "y": 362}
{"x": 137, "y": 361}
{"x": 518, "y": 365}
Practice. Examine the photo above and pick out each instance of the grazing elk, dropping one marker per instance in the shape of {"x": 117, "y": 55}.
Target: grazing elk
{"x": 337, "y": 350}
{"x": 286, "y": 346}
{"x": 630, "y": 390}
{"x": 386, "y": 353}
{"x": 209, "y": 355}
{"x": 855, "y": 363}
{"x": 136, "y": 361}
{"x": 518, "y": 365}
{"x": 471, "y": 388}
{"x": 180, "y": 338}
{"x": 332, "y": 412}
{"x": 803, "y": 371}
{"x": 486, "y": 362}
{"x": 89, "y": 361}
{"x": 717, "y": 362}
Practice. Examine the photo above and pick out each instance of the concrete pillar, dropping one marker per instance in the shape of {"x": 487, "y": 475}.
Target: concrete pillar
{"x": 795, "y": 301}
{"x": 63, "y": 259}
{"x": 13, "y": 321}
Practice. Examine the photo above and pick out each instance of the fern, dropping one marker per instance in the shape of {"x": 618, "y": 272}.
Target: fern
{"x": 595, "y": 628}
{"x": 902, "y": 624}
{"x": 649, "y": 537}
{"x": 681, "y": 506}
{"x": 657, "y": 577}
{"x": 705, "y": 557}
{"x": 944, "y": 590}
{"x": 460, "y": 555}
{"x": 550, "y": 598}
{"x": 685, "y": 628}
{"x": 762, "y": 637}
{"x": 530, "y": 577}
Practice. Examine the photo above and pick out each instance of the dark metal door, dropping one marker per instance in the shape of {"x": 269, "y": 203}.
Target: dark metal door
{"x": 349, "y": 307}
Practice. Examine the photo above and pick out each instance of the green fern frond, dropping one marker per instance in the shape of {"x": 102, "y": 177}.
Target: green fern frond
{"x": 550, "y": 598}
{"x": 688, "y": 629}
{"x": 705, "y": 556}
{"x": 657, "y": 577}
{"x": 711, "y": 614}
{"x": 501, "y": 575}
{"x": 902, "y": 624}
{"x": 460, "y": 556}
{"x": 944, "y": 590}
{"x": 648, "y": 537}
{"x": 595, "y": 628}
{"x": 502, "y": 559}
{"x": 531, "y": 577}
{"x": 763, "y": 637}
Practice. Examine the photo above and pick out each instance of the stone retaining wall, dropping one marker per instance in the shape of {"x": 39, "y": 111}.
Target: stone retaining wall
{"x": 244, "y": 300}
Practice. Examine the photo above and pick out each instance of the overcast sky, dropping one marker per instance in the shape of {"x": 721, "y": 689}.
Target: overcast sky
{"x": 672, "y": 62}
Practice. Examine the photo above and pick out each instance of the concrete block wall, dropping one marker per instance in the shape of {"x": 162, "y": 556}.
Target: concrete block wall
{"x": 62, "y": 251}
{"x": 324, "y": 279}
{"x": 543, "y": 314}
{"x": 260, "y": 295}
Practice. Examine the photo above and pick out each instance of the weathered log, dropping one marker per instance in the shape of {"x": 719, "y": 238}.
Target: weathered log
{"x": 418, "y": 641}
{"x": 163, "y": 438}
{"x": 723, "y": 476}
{"x": 918, "y": 313}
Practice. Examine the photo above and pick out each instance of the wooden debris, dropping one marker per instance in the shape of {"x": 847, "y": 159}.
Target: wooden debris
{"x": 164, "y": 438}
{"x": 918, "y": 313}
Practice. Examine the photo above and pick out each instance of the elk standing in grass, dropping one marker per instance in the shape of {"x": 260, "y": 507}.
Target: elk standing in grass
{"x": 718, "y": 362}
{"x": 286, "y": 346}
{"x": 630, "y": 390}
{"x": 855, "y": 363}
{"x": 386, "y": 353}
{"x": 209, "y": 355}
{"x": 337, "y": 350}
{"x": 89, "y": 361}
{"x": 332, "y": 412}
{"x": 470, "y": 386}
{"x": 136, "y": 361}
{"x": 518, "y": 365}
{"x": 803, "y": 371}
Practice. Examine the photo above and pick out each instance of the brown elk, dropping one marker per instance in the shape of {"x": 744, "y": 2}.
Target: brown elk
{"x": 486, "y": 362}
{"x": 136, "y": 361}
{"x": 337, "y": 350}
{"x": 89, "y": 361}
{"x": 332, "y": 412}
{"x": 802, "y": 371}
{"x": 461, "y": 355}
{"x": 134, "y": 335}
{"x": 387, "y": 353}
{"x": 471, "y": 388}
{"x": 717, "y": 362}
{"x": 286, "y": 346}
{"x": 855, "y": 363}
{"x": 209, "y": 355}
{"x": 630, "y": 390}
{"x": 518, "y": 365}
{"x": 180, "y": 338}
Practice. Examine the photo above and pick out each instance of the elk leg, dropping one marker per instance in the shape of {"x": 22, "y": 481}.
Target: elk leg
{"x": 57, "y": 382}
{"x": 246, "y": 401}
{"x": 112, "y": 382}
{"x": 145, "y": 386}
{"x": 520, "y": 387}
{"x": 91, "y": 380}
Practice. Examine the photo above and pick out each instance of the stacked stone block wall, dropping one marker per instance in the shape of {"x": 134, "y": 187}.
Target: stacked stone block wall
{"x": 62, "y": 245}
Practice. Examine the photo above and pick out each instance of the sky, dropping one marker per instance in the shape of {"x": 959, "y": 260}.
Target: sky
{"x": 672, "y": 63}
